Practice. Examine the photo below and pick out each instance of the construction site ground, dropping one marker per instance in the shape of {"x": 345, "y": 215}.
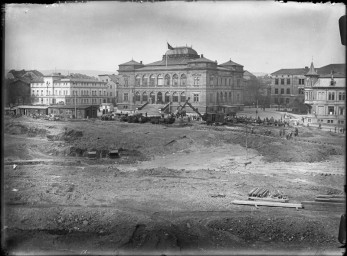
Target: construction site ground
{"x": 169, "y": 192}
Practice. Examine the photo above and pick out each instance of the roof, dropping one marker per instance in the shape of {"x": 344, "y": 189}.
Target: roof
{"x": 163, "y": 62}
{"x": 325, "y": 82}
{"x": 182, "y": 50}
{"x": 129, "y": 63}
{"x": 247, "y": 73}
{"x": 230, "y": 63}
{"x": 203, "y": 59}
{"x": 338, "y": 68}
{"x": 312, "y": 72}
{"x": 290, "y": 71}
{"x": 335, "y": 75}
{"x": 72, "y": 106}
{"x": 40, "y": 80}
{"x": 33, "y": 106}
{"x": 79, "y": 80}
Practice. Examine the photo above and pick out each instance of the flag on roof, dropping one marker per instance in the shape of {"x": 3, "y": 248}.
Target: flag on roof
{"x": 169, "y": 46}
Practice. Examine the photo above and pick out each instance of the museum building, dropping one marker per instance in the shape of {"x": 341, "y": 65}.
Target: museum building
{"x": 181, "y": 75}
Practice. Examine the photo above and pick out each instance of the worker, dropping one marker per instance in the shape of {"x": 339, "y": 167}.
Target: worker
{"x": 280, "y": 132}
{"x": 296, "y": 133}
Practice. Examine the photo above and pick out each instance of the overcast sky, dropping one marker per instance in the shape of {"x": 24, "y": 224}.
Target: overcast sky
{"x": 262, "y": 36}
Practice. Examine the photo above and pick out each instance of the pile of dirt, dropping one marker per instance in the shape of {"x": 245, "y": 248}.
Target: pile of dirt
{"x": 67, "y": 135}
{"x": 17, "y": 129}
{"x": 161, "y": 171}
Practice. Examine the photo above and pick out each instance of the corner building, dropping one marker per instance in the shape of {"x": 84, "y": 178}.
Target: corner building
{"x": 179, "y": 75}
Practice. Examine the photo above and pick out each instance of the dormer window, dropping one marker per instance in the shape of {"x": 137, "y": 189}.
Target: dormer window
{"x": 332, "y": 82}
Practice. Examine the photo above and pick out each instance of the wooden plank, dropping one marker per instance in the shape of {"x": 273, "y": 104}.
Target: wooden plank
{"x": 268, "y": 199}
{"x": 323, "y": 206}
{"x": 332, "y": 196}
{"x": 262, "y": 203}
{"x": 332, "y": 200}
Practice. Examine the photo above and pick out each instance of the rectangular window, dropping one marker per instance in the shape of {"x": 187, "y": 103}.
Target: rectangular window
{"x": 282, "y": 90}
{"x": 341, "y": 110}
{"x": 126, "y": 97}
{"x": 276, "y": 91}
{"x": 175, "y": 98}
{"x": 331, "y": 96}
{"x": 288, "y": 80}
{"x": 276, "y": 81}
{"x": 110, "y": 93}
{"x": 331, "y": 110}
{"x": 342, "y": 95}
{"x": 288, "y": 91}
{"x": 196, "y": 97}
{"x": 41, "y": 92}
{"x": 282, "y": 80}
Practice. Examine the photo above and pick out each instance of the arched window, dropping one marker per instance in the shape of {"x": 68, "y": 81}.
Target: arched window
{"x": 183, "y": 80}
{"x": 167, "y": 97}
{"x": 237, "y": 98}
{"x": 225, "y": 96}
{"x": 175, "y": 97}
{"x": 229, "y": 96}
{"x": 152, "y": 80}
{"x": 160, "y": 80}
{"x": 152, "y": 96}
{"x": 175, "y": 80}
{"x": 137, "y": 96}
{"x": 137, "y": 80}
{"x": 183, "y": 97}
{"x": 221, "y": 96}
{"x": 167, "y": 80}
{"x": 145, "y": 80}
{"x": 159, "y": 97}
{"x": 144, "y": 96}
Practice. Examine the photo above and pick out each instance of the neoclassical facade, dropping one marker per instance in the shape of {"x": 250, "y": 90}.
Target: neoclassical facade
{"x": 179, "y": 75}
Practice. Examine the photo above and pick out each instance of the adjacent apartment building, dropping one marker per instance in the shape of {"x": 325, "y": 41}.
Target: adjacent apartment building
{"x": 179, "y": 75}
{"x": 287, "y": 85}
{"x": 58, "y": 89}
{"x": 325, "y": 96}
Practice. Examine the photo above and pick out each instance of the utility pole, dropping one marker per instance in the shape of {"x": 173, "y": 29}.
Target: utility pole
{"x": 75, "y": 105}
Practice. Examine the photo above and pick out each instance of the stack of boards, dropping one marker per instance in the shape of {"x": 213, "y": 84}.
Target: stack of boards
{"x": 326, "y": 203}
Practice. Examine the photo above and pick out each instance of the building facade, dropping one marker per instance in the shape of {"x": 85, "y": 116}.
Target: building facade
{"x": 57, "y": 89}
{"x": 112, "y": 82}
{"x": 325, "y": 96}
{"x": 180, "y": 75}
{"x": 287, "y": 85}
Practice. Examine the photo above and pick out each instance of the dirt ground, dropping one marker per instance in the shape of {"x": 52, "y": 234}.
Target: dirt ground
{"x": 169, "y": 192}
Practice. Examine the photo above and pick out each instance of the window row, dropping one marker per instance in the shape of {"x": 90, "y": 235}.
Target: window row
{"x": 282, "y": 91}
{"x": 157, "y": 98}
{"x": 281, "y": 100}
{"x": 287, "y": 81}
{"x": 160, "y": 80}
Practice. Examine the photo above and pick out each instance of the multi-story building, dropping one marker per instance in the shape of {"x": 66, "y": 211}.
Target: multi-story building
{"x": 57, "y": 89}
{"x": 325, "y": 96}
{"x": 287, "y": 85}
{"x": 111, "y": 81}
{"x": 179, "y": 75}
{"x": 251, "y": 92}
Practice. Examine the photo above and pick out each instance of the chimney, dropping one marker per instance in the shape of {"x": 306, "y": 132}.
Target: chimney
{"x": 202, "y": 55}
{"x": 141, "y": 62}
{"x": 306, "y": 67}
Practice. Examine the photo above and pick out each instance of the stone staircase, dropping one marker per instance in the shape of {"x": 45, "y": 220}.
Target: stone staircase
{"x": 151, "y": 109}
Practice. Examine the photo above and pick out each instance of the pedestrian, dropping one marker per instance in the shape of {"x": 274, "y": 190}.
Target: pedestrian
{"x": 335, "y": 129}
{"x": 280, "y": 133}
{"x": 146, "y": 114}
{"x": 296, "y": 133}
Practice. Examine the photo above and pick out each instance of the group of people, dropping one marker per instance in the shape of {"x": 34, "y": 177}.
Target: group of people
{"x": 289, "y": 135}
